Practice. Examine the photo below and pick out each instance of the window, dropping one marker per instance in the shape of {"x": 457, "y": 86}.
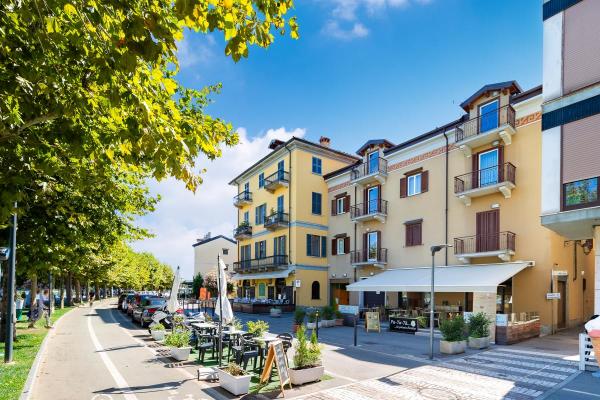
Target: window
{"x": 316, "y": 246}
{"x": 315, "y": 290}
{"x": 414, "y": 233}
{"x": 340, "y": 246}
{"x": 260, "y": 249}
{"x": 316, "y": 203}
{"x": 583, "y": 193}
{"x": 247, "y": 217}
{"x": 280, "y": 204}
{"x": 247, "y": 187}
{"x": 414, "y": 184}
{"x": 316, "y": 165}
{"x": 260, "y": 214}
{"x": 279, "y": 245}
{"x": 488, "y": 116}
{"x": 488, "y": 167}
{"x": 261, "y": 180}
{"x": 373, "y": 159}
{"x": 340, "y": 205}
{"x": 225, "y": 252}
{"x": 245, "y": 253}
{"x": 373, "y": 246}
{"x": 261, "y": 290}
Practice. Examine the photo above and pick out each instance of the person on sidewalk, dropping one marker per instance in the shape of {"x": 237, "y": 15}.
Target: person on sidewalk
{"x": 592, "y": 328}
{"x": 46, "y": 299}
{"x": 19, "y": 301}
{"x": 91, "y": 296}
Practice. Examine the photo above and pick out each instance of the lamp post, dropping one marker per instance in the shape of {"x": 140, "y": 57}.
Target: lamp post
{"x": 10, "y": 286}
{"x": 434, "y": 249}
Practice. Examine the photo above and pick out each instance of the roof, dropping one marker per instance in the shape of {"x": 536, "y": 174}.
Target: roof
{"x": 373, "y": 142}
{"x": 210, "y": 239}
{"x": 294, "y": 138}
{"x": 528, "y": 94}
{"x": 512, "y": 85}
{"x": 341, "y": 170}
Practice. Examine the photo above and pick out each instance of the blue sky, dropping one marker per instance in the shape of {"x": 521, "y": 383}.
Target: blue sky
{"x": 362, "y": 69}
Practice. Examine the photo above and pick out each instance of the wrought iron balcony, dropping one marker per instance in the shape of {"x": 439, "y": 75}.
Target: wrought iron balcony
{"x": 242, "y": 199}
{"x": 486, "y": 128}
{"x": 275, "y": 262}
{"x": 499, "y": 178}
{"x": 370, "y": 210}
{"x": 277, "y": 180}
{"x": 376, "y": 257}
{"x": 501, "y": 245}
{"x": 277, "y": 220}
{"x": 370, "y": 171}
{"x": 242, "y": 232}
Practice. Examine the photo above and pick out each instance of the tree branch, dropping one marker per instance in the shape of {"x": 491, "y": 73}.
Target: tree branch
{"x": 7, "y": 135}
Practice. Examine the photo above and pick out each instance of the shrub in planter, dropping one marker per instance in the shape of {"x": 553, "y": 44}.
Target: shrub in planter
{"x": 422, "y": 321}
{"x": 453, "y": 336}
{"x": 299, "y": 315}
{"x": 307, "y": 359}
{"x": 327, "y": 314}
{"x": 234, "y": 379}
{"x": 179, "y": 342}
{"x": 479, "y": 331}
{"x": 158, "y": 331}
{"x": 257, "y": 328}
{"x": 312, "y": 320}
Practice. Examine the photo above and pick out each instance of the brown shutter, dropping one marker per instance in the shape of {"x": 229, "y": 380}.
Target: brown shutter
{"x": 333, "y": 207}
{"x": 347, "y": 245}
{"x": 347, "y": 203}
{"x": 408, "y": 235}
{"x": 334, "y": 247}
{"x": 424, "y": 181}
{"x": 365, "y": 202}
{"x": 403, "y": 187}
{"x": 500, "y": 163}
{"x": 378, "y": 240}
{"x": 475, "y": 173}
{"x": 418, "y": 234}
{"x": 363, "y": 254}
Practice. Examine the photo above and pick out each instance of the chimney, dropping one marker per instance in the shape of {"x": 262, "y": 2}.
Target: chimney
{"x": 324, "y": 141}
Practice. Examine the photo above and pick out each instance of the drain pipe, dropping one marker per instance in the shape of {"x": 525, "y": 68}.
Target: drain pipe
{"x": 447, "y": 187}
{"x": 289, "y": 244}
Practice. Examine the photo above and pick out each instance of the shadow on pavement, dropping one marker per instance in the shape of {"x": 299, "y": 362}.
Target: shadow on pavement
{"x": 144, "y": 389}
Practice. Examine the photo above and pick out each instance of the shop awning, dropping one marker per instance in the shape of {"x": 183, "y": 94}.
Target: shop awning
{"x": 452, "y": 278}
{"x": 263, "y": 275}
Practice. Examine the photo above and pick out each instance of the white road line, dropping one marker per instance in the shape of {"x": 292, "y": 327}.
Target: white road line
{"x": 119, "y": 380}
{"x": 582, "y": 392}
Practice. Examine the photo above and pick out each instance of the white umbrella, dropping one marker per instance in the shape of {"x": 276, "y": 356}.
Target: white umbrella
{"x": 173, "y": 304}
{"x": 223, "y": 305}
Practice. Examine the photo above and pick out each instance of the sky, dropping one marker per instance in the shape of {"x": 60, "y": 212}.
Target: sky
{"x": 362, "y": 69}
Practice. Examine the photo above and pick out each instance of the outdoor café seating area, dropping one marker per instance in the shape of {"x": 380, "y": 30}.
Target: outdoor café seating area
{"x": 260, "y": 306}
{"x": 441, "y": 313}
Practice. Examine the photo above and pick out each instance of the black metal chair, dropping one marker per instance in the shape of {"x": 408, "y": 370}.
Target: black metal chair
{"x": 286, "y": 340}
{"x": 247, "y": 349}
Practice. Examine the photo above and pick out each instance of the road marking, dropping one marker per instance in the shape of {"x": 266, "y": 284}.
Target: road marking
{"x": 118, "y": 378}
{"x": 582, "y": 392}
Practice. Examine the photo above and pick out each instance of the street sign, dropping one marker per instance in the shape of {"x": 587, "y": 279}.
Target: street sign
{"x": 297, "y": 283}
{"x": 560, "y": 273}
{"x": 348, "y": 309}
{"x": 552, "y": 296}
{"x": 405, "y": 325}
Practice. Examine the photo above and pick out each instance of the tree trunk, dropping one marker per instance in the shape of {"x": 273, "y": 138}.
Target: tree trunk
{"x": 33, "y": 292}
{"x": 51, "y": 293}
{"x": 4, "y": 305}
{"x": 69, "y": 298}
{"x": 62, "y": 291}
{"x": 77, "y": 291}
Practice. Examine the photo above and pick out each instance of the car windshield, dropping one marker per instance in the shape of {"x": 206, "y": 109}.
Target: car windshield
{"x": 153, "y": 302}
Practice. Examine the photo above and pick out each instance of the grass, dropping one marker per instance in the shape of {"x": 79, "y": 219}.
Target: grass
{"x": 13, "y": 376}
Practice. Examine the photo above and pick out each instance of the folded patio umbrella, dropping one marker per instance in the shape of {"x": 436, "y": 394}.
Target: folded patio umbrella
{"x": 222, "y": 299}
{"x": 173, "y": 303}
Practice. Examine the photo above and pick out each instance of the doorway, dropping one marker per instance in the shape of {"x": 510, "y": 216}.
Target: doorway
{"x": 561, "y": 321}
{"x": 488, "y": 231}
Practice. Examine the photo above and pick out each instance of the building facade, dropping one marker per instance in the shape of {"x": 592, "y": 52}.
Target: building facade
{"x": 473, "y": 183}
{"x": 208, "y": 248}
{"x": 571, "y": 131}
{"x": 282, "y": 223}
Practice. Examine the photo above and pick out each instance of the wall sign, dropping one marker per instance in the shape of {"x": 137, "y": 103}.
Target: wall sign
{"x": 405, "y": 325}
{"x": 344, "y": 309}
{"x": 553, "y": 296}
{"x": 297, "y": 283}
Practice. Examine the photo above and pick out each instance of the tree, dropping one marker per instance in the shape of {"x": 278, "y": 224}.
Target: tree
{"x": 197, "y": 283}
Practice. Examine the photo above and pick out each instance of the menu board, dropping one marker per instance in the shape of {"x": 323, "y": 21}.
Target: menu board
{"x": 405, "y": 325}
{"x": 372, "y": 321}
{"x": 276, "y": 355}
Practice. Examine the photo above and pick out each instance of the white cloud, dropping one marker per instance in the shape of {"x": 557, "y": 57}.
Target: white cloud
{"x": 195, "y": 49}
{"x": 181, "y": 216}
{"x": 334, "y": 29}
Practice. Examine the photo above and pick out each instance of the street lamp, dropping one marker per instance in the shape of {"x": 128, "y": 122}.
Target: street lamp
{"x": 434, "y": 249}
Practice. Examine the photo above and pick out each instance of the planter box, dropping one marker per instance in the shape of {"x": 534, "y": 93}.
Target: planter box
{"x": 313, "y": 325}
{"x": 158, "y": 335}
{"x": 453, "y": 347}
{"x": 302, "y": 376}
{"x": 235, "y": 385}
{"x": 517, "y": 332}
{"x": 275, "y": 312}
{"x": 339, "y": 322}
{"x": 328, "y": 323}
{"x": 180, "y": 353}
{"x": 479, "y": 343}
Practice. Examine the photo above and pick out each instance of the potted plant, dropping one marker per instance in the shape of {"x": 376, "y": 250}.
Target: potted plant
{"x": 275, "y": 312}
{"x": 299, "y": 315}
{"x": 479, "y": 331}
{"x": 307, "y": 359}
{"x": 422, "y": 321}
{"x": 158, "y": 332}
{"x": 234, "y": 379}
{"x": 453, "y": 336}
{"x": 312, "y": 320}
{"x": 257, "y": 328}
{"x": 327, "y": 313}
{"x": 179, "y": 342}
{"x": 339, "y": 318}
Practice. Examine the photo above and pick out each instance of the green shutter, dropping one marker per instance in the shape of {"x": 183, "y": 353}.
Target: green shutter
{"x": 308, "y": 244}
{"x": 323, "y": 246}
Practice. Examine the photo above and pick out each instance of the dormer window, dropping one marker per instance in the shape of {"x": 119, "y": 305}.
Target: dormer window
{"x": 488, "y": 116}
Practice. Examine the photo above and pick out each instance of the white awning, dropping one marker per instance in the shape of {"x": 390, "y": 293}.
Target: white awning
{"x": 263, "y": 275}
{"x": 452, "y": 278}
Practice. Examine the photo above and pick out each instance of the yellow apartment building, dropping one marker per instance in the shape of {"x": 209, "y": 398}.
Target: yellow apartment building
{"x": 282, "y": 224}
{"x": 473, "y": 183}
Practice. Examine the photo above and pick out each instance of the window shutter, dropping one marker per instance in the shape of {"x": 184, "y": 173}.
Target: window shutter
{"x": 364, "y": 242}
{"x": 334, "y": 207}
{"x": 256, "y": 253}
{"x": 347, "y": 245}
{"x": 333, "y": 247}
{"x": 403, "y": 187}
{"x": 378, "y": 240}
{"x": 323, "y": 246}
{"x": 408, "y": 235}
{"x": 501, "y": 176}
{"x": 365, "y": 206}
{"x": 347, "y": 203}
{"x": 424, "y": 181}
{"x": 308, "y": 245}
{"x": 475, "y": 173}
{"x": 418, "y": 234}
{"x": 256, "y": 216}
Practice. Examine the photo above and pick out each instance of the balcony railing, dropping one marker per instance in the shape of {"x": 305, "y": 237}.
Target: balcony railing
{"x": 486, "y": 123}
{"x": 277, "y": 219}
{"x": 261, "y": 264}
{"x": 242, "y": 232}
{"x": 372, "y": 256}
{"x": 494, "y": 242}
{"x": 242, "y": 199}
{"x": 277, "y": 179}
{"x": 370, "y": 208}
{"x": 485, "y": 177}
{"x": 370, "y": 169}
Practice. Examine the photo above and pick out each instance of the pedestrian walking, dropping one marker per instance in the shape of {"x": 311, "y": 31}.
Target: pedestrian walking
{"x": 91, "y": 297}
{"x": 592, "y": 328}
{"x": 35, "y": 311}
{"x": 46, "y": 299}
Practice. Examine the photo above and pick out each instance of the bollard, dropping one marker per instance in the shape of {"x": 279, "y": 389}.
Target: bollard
{"x": 355, "y": 330}
{"x": 317, "y": 324}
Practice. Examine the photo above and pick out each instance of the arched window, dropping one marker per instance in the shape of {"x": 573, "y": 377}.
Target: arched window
{"x": 316, "y": 290}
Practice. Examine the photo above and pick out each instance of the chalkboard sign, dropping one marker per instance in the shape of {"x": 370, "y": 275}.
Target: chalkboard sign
{"x": 406, "y": 325}
{"x": 372, "y": 321}
{"x": 276, "y": 355}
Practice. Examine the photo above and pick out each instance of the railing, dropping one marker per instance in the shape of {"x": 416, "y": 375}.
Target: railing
{"x": 484, "y": 243}
{"x": 365, "y": 256}
{"x": 377, "y": 206}
{"x": 486, "y": 122}
{"x": 258, "y": 264}
{"x": 485, "y": 177}
{"x": 276, "y": 218}
{"x": 244, "y": 196}
{"x": 586, "y": 359}
{"x": 279, "y": 176}
{"x": 370, "y": 168}
{"x": 242, "y": 230}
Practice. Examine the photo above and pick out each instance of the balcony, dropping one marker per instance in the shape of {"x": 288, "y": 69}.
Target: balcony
{"x": 277, "y": 180}
{"x": 242, "y": 199}
{"x": 499, "y": 178}
{"x": 374, "y": 257}
{"x": 369, "y": 211}
{"x": 485, "y": 129}
{"x": 501, "y": 245}
{"x": 242, "y": 232}
{"x": 277, "y": 220}
{"x": 369, "y": 172}
{"x": 277, "y": 262}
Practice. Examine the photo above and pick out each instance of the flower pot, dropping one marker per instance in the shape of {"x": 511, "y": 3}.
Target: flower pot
{"x": 339, "y": 322}
{"x": 275, "y": 312}
{"x": 235, "y": 385}
{"x": 453, "y": 347}
{"x": 180, "y": 353}
{"x": 158, "y": 335}
{"x": 479, "y": 343}
{"x": 302, "y": 376}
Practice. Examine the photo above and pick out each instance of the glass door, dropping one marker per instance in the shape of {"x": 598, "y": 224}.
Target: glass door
{"x": 488, "y": 116}
{"x": 488, "y": 168}
{"x": 372, "y": 246}
{"x": 373, "y": 200}
{"x": 373, "y": 162}
{"x": 280, "y": 169}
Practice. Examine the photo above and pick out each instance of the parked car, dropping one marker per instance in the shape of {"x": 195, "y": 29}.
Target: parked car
{"x": 126, "y": 301}
{"x": 143, "y": 313}
{"x": 136, "y": 302}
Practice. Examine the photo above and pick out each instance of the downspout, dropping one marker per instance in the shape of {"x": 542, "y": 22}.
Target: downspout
{"x": 290, "y": 207}
{"x": 446, "y": 209}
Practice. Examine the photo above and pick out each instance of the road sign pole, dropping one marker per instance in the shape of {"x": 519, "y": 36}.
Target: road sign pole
{"x": 355, "y": 329}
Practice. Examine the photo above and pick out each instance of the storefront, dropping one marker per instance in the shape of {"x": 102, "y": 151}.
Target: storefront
{"x": 258, "y": 292}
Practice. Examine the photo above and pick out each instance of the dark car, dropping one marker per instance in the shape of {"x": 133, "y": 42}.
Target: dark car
{"x": 144, "y": 311}
{"x": 136, "y": 302}
{"x": 126, "y": 301}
